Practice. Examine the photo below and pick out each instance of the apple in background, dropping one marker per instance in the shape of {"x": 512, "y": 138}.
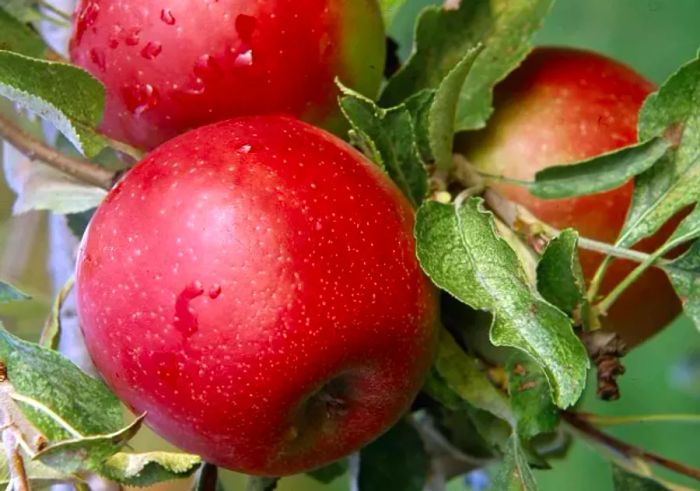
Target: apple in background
{"x": 253, "y": 286}
{"x": 562, "y": 106}
{"x": 170, "y": 66}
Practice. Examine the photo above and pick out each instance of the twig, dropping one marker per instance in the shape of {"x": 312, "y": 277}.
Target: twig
{"x": 602, "y": 420}
{"x": 55, "y": 10}
{"x": 627, "y": 450}
{"x": 33, "y": 148}
{"x": 15, "y": 462}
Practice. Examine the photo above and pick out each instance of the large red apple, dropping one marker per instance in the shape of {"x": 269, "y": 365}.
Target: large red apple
{"x": 253, "y": 286}
{"x": 172, "y": 65}
{"x": 561, "y": 106}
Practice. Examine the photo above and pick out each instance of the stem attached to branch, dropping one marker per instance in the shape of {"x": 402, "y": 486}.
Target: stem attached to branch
{"x": 625, "y": 449}
{"x": 33, "y": 148}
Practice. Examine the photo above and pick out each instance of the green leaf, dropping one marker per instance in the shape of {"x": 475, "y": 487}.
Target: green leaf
{"x": 458, "y": 247}
{"x": 444, "y": 109}
{"x": 78, "y": 222}
{"x": 46, "y": 376}
{"x": 87, "y": 453}
{"x": 67, "y": 96}
{"x": 397, "y": 460}
{"x": 330, "y": 472}
{"x": 150, "y": 468}
{"x": 601, "y": 173}
{"x": 18, "y": 37}
{"x": 515, "y": 473}
{"x": 507, "y": 44}
{"x": 626, "y": 481}
{"x": 419, "y": 106}
{"x": 559, "y": 274}
{"x": 684, "y": 273}
{"x": 389, "y": 9}
{"x": 40, "y": 187}
{"x": 460, "y": 374}
{"x": 674, "y": 181}
{"x": 256, "y": 483}
{"x": 390, "y": 137}
{"x": 23, "y": 10}
{"x": 51, "y": 335}
{"x": 9, "y": 293}
{"x": 689, "y": 228}
{"x": 530, "y": 397}
{"x": 443, "y": 37}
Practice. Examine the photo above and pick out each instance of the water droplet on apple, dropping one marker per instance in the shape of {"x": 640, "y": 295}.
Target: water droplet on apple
{"x": 244, "y": 149}
{"x": 140, "y": 98}
{"x": 151, "y": 50}
{"x": 244, "y": 59}
{"x": 167, "y": 16}
{"x": 197, "y": 87}
{"x": 86, "y": 18}
{"x": 132, "y": 36}
{"x": 185, "y": 318}
{"x": 98, "y": 58}
{"x": 215, "y": 291}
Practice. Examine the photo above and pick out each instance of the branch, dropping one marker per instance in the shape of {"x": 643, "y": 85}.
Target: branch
{"x": 602, "y": 420}
{"x": 35, "y": 149}
{"x": 625, "y": 449}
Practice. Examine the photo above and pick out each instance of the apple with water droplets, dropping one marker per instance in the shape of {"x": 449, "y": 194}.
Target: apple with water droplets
{"x": 172, "y": 65}
{"x": 562, "y": 106}
{"x": 252, "y": 285}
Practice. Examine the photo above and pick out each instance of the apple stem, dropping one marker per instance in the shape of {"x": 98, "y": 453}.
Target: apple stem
{"x": 35, "y": 149}
{"x": 628, "y": 451}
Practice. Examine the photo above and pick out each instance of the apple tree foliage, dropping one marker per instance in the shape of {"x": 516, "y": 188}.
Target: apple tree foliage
{"x": 59, "y": 424}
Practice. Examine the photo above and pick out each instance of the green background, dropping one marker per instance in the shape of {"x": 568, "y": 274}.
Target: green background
{"x": 663, "y": 376}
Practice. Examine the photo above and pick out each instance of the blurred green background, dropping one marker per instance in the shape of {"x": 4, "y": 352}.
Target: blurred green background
{"x": 663, "y": 376}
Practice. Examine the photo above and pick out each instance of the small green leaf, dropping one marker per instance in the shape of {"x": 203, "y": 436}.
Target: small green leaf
{"x": 443, "y": 38}
{"x": 601, "y": 173}
{"x": 87, "y": 453}
{"x": 67, "y": 96}
{"x": 51, "y": 335}
{"x": 390, "y": 137}
{"x": 78, "y": 222}
{"x": 515, "y": 473}
{"x": 674, "y": 181}
{"x": 458, "y": 247}
{"x": 40, "y": 187}
{"x": 46, "y": 376}
{"x": 397, "y": 460}
{"x": 9, "y": 293}
{"x": 330, "y": 472}
{"x": 149, "y": 468}
{"x": 626, "y": 481}
{"x": 444, "y": 109}
{"x": 684, "y": 273}
{"x": 256, "y": 483}
{"x": 507, "y": 42}
{"x": 23, "y": 10}
{"x": 18, "y": 37}
{"x": 460, "y": 373}
{"x": 389, "y": 9}
{"x": 530, "y": 397}
{"x": 559, "y": 274}
{"x": 419, "y": 106}
{"x": 689, "y": 228}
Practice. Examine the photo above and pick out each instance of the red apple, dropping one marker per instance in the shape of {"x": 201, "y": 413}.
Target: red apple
{"x": 172, "y": 65}
{"x": 562, "y": 106}
{"x": 253, "y": 286}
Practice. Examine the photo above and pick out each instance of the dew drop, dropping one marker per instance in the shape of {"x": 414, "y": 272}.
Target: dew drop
{"x": 151, "y": 50}
{"x": 245, "y": 26}
{"x": 86, "y": 18}
{"x": 140, "y": 98}
{"x": 215, "y": 291}
{"x": 98, "y": 58}
{"x": 197, "y": 87}
{"x": 167, "y": 16}
{"x": 132, "y": 36}
{"x": 244, "y": 149}
{"x": 244, "y": 59}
